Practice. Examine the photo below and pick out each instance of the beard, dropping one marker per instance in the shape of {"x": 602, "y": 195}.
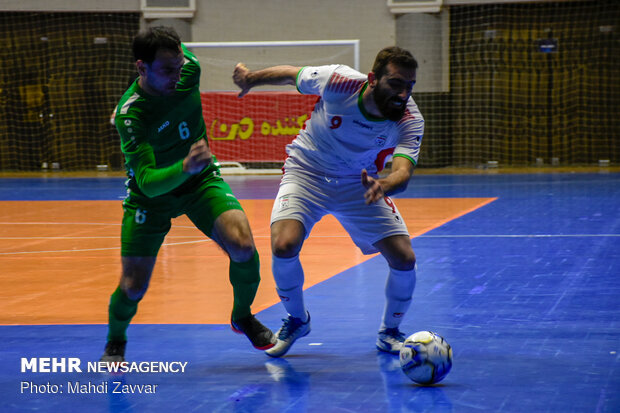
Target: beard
{"x": 391, "y": 107}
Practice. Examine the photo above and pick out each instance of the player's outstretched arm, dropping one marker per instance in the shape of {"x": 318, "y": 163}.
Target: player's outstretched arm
{"x": 395, "y": 182}
{"x": 246, "y": 79}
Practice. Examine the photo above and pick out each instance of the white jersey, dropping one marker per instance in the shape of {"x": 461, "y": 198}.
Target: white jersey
{"x": 341, "y": 138}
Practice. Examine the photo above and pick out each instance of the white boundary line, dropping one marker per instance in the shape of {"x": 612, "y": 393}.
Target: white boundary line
{"x": 204, "y": 239}
{"x": 97, "y": 249}
{"x": 522, "y": 236}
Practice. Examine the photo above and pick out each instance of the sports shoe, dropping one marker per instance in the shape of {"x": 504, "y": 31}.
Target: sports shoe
{"x": 390, "y": 340}
{"x": 114, "y": 352}
{"x": 292, "y": 329}
{"x": 260, "y": 336}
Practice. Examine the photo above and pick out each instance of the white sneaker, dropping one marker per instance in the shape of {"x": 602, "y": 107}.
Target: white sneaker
{"x": 292, "y": 329}
{"x": 390, "y": 340}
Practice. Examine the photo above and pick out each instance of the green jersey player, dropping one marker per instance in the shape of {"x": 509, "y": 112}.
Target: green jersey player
{"x": 172, "y": 172}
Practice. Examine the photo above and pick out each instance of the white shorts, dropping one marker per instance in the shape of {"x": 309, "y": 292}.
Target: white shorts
{"x": 307, "y": 198}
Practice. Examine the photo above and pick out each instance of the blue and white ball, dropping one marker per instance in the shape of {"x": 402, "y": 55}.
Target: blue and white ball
{"x": 426, "y": 357}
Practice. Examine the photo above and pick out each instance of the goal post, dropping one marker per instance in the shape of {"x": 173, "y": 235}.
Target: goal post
{"x": 354, "y": 43}
{"x": 249, "y": 135}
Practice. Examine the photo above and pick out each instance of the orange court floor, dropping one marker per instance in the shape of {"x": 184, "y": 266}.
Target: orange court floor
{"x": 60, "y": 260}
{"x": 518, "y": 272}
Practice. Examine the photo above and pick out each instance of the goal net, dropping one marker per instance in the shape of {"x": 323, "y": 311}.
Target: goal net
{"x": 532, "y": 83}
{"x": 60, "y": 78}
{"x": 529, "y": 84}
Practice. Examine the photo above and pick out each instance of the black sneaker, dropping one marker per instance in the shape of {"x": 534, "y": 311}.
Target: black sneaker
{"x": 260, "y": 336}
{"x": 114, "y": 352}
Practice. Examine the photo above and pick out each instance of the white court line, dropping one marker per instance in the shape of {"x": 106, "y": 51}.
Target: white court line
{"x": 57, "y": 223}
{"x": 78, "y": 223}
{"x": 98, "y": 237}
{"x": 202, "y": 239}
{"x": 512, "y": 183}
{"x": 319, "y": 236}
{"x": 520, "y": 236}
{"x": 328, "y": 236}
{"x": 97, "y": 249}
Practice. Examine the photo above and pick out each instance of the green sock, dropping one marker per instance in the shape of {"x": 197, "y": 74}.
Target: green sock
{"x": 120, "y": 312}
{"x": 244, "y": 277}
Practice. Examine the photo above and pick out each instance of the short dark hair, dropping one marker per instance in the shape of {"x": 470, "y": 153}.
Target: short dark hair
{"x": 394, "y": 55}
{"x": 148, "y": 42}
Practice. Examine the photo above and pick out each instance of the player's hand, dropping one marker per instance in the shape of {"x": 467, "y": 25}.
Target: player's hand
{"x": 240, "y": 77}
{"x": 374, "y": 190}
{"x": 198, "y": 158}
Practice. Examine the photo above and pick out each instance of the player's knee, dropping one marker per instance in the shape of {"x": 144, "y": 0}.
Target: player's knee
{"x": 135, "y": 277}
{"x": 241, "y": 250}
{"x": 404, "y": 260}
{"x": 238, "y": 242}
{"x": 398, "y": 252}
{"x": 232, "y": 232}
{"x": 134, "y": 289}
{"x": 284, "y": 247}
{"x": 287, "y": 237}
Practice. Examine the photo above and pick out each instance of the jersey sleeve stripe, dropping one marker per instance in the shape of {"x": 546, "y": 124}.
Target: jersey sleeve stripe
{"x": 128, "y": 103}
{"x": 405, "y": 156}
{"x": 341, "y": 84}
{"x": 297, "y": 79}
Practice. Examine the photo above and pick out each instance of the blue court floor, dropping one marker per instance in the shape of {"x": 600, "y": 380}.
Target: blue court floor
{"x": 526, "y": 289}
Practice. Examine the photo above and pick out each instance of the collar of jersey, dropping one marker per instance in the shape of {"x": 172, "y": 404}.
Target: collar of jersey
{"x": 360, "y": 105}
{"x": 146, "y": 95}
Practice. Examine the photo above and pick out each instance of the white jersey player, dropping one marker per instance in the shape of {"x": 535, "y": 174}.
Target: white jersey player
{"x": 341, "y": 138}
{"x": 357, "y": 123}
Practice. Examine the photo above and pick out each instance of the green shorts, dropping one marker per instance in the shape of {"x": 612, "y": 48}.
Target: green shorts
{"x": 146, "y": 221}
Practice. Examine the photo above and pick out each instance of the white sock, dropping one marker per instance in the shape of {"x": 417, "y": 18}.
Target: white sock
{"x": 289, "y": 276}
{"x": 398, "y": 291}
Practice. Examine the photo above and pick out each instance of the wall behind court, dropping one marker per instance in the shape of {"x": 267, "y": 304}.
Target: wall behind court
{"x": 42, "y": 128}
{"x": 276, "y": 20}
{"x": 252, "y": 20}
{"x": 486, "y": 90}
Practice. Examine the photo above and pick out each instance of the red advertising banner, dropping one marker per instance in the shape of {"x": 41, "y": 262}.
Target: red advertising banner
{"x": 257, "y": 127}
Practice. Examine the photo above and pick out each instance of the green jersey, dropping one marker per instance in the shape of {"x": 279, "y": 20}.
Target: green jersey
{"x": 158, "y": 131}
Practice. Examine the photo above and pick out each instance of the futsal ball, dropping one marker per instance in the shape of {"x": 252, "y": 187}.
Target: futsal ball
{"x": 425, "y": 357}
